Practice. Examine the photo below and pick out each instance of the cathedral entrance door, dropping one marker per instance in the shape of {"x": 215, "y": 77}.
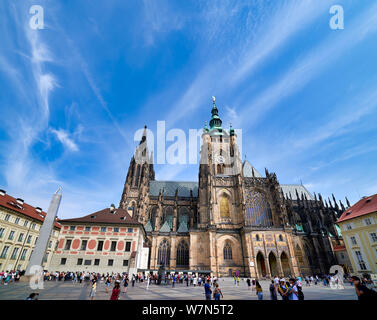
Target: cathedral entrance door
{"x": 273, "y": 264}
{"x": 230, "y": 272}
{"x": 285, "y": 264}
{"x": 261, "y": 265}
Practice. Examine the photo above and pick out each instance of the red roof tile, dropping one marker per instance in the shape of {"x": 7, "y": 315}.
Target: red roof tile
{"x": 362, "y": 207}
{"x": 120, "y": 216}
{"x": 9, "y": 202}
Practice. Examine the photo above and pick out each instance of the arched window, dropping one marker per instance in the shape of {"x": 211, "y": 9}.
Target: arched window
{"x": 137, "y": 175}
{"x": 163, "y": 257}
{"x": 258, "y": 210}
{"x": 168, "y": 216}
{"x": 182, "y": 254}
{"x": 224, "y": 207}
{"x": 280, "y": 237}
{"x": 227, "y": 251}
{"x": 153, "y": 217}
{"x": 183, "y": 216}
{"x": 257, "y": 237}
{"x": 220, "y": 169}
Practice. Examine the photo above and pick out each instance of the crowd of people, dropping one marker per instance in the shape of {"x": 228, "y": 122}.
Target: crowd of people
{"x": 286, "y": 289}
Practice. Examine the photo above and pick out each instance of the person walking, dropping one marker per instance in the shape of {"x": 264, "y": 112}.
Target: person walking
{"x": 108, "y": 282}
{"x": 148, "y": 281}
{"x": 217, "y": 292}
{"x": 207, "y": 290}
{"x": 248, "y": 284}
{"x": 93, "y": 290}
{"x": 259, "y": 290}
{"x": 273, "y": 294}
{"x": 125, "y": 283}
{"x": 116, "y": 291}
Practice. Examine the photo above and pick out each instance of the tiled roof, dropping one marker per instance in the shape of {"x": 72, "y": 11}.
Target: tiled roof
{"x": 362, "y": 207}
{"x": 291, "y": 188}
{"x": 9, "y": 202}
{"x": 120, "y": 216}
{"x": 248, "y": 170}
{"x": 170, "y": 188}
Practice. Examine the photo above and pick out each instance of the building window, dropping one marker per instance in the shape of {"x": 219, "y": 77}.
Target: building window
{"x": 100, "y": 246}
{"x": 360, "y": 260}
{"x": 11, "y": 235}
{"x": 116, "y": 229}
{"x": 50, "y": 244}
{"x": 33, "y": 226}
{"x": 163, "y": 257}
{"x": 1, "y": 232}
{"x": 227, "y": 251}
{"x": 87, "y": 228}
{"x": 125, "y": 263}
{"x": 182, "y": 254}
{"x": 45, "y": 258}
{"x": 23, "y": 254}
{"x": 353, "y": 240}
{"x": 87, "y": 262}
{"x": 110, "y": 262}
{"x": 72, "y": 228}
{"x": 258, "y": 210}
{"x": 7, "y": 217}
{"x": 17, "y": 220}
{"x": 63, "y": 261}
{"x": 367, "y": 221}
{"x": 280, "y": 237}
{"x": 128, "y": 246}
{"x": 373, "y": 236}
{"x": 103, "y": 229}
{"x": 20, "y": 237}
{"x": 113, "y": 246}
{"x": 79, "y": 261}
{"x": 349, "y": 227}
{"x": 342, "y": 255}
{"x": 25, "y": 223}
{"x": 4, "y": 252}
{"x": 36, "y": 239}
{"x": 68, "y": 244}
{"x": 83, "y": 245}
{"x": 257, "y": 238}
{"x": 96, "y": 262}
{"x": 14, "y": 253}
{"x": 130, "y": 230}
{"x": 29, "y": 239}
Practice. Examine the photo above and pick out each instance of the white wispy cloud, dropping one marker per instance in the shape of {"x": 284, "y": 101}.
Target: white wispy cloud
{"x": 64, "y": 137}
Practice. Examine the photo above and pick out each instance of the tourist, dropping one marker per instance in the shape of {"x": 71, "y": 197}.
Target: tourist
{"x": 273, "y": 294}
{"x": 259, "y": 290}
{"x": 362, "y": 292}
{"x": 108, "y": 282}
{"x": 199, "y": 281}
{"x": 238, "y": 281}
{"x": 116, "y": 291}
{"x": 300, "y": 293}
{"x": 248, "y": 283}
{"x": 174, "y": 279}
{"x": 207, "y": 290}
{"x": 283, "y": 290}
{"x": 33, "y": 296}
{"x": 293, "y": 295}
{"x": 217, "y": 292}
{"x": 194, "y": 280}
{"x": 93, "y": 290}
{"x": 148, "y": 281}
{"x": 235, "y": 281}
{"x": 125, "y": 283}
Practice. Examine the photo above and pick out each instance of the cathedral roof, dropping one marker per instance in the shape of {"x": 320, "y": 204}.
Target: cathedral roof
{"x": 248, "y": 170}
{"x": 170, "y": 187}
{"x": 291, "y": 188}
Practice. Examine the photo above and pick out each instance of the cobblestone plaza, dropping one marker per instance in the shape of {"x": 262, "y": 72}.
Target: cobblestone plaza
{"x": 66, "y": 290}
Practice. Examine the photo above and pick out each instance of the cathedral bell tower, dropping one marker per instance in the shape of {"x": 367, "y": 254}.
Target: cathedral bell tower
{"x": 140, "y": 173}
{"x": 219, "y": 174}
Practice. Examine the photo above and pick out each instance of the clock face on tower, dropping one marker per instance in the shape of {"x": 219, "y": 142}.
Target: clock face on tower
{"x": 220, "y": 159}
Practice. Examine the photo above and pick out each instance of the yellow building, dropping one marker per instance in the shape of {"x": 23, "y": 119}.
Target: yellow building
{"x": 358, "y": 225}
{"x": 20, "y": 224}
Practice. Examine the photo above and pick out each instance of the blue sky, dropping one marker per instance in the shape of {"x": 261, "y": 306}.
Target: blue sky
{"x": 74, "y": 94}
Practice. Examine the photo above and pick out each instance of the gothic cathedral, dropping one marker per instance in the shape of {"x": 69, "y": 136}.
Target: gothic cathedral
{"x": 234, "y": 220}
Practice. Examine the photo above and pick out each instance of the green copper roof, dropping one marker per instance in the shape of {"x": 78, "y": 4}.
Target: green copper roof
{"x": 215, "y": 121}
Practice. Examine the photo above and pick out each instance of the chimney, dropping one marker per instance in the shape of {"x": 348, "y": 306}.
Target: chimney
{"x": 2, "y": 192}
{"x": 38, "y": 209}
{"x": 20, "y": 201}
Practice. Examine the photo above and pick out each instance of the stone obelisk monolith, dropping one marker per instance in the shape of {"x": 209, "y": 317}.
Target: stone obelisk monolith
{"x": 39, "y": 252}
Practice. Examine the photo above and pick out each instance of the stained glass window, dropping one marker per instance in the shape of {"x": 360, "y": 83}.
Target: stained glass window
{"x": 258, "y": 210}
{"x": 163, "y": 257}
{"x": 227, "y": 251}
{"x": 182, "y": 254}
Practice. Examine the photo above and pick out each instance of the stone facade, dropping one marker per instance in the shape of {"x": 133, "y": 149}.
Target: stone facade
{"x": 20, "y": 224}
{"x": 233, "y": 220}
